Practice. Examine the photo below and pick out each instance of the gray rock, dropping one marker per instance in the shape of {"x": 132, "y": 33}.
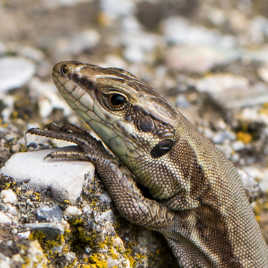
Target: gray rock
{"x": 117, "y": 8}
{"x": 79, "y": 42}
{"x": 177, "y": 30}
{"x": 51, "y": 230}
{"x": 233, "y": 91}
{"x": 223, "y": 136}
{"x": 15, "y": 72}
{"x": 49, "y": 214}
{"x": 196, "y": 58}
{"x": 8, "y": 196}
{"x": 64, "y": 178}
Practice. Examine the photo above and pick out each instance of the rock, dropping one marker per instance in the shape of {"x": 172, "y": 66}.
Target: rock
{"x": 32, "y": 53}
{"x": 258, "y": 29}
{"x": 182, "y": 102}
{"x": 196, "y": 58}
{"x": 259, "y": 54}
{"x": 2, "y": 49}
{"x": 35, "y": 256}
{"x": 219, "y": 83}
{"x": 138, "y": 45}
{"x": 260, "y": 174}
{"x": 49, "y": 97}
{"x": 79, "y": 43}
{"x": 8, "y": 196}
{"x": 223, "y": 136}
{"x": 72, "y": 211}
{"x": 263, "y": 73}
{"x": 117, "y": 8}
{"x": 49, "y": 214}
{"x": 52, "y": 231}
{"x": 233, "y": 91}
{"x": 64, "y": 178}
{"x": 5, "y": 219}
{"x": 15, "y": 72}
{"x": 177, "y": 30}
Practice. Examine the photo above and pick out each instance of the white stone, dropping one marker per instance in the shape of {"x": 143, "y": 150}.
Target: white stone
{"x": 15, "y": 72}
{"x": 8, "y": 196}
{"x": 196, "y": 58}
{"x": 4, "y": 219}
{"x": 219, "y": 83}
{"x": 263, "y": 73}
{"x": 64, "y": 178}
{"x": 72, "y": 211}
{"x": 259, "y": 173}
{"x": 116, "y": 8}
{"x": 179, "y": 31}
{"x": 50, "y": 97}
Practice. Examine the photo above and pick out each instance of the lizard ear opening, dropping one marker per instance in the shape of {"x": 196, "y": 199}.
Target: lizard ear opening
{"x": 162, "y": 148}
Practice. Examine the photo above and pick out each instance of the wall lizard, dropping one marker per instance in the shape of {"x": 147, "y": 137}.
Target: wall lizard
{"x": 197, "y": 200}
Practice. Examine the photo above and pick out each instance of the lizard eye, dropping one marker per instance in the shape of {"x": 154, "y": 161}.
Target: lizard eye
{"x": 117, "y": 101}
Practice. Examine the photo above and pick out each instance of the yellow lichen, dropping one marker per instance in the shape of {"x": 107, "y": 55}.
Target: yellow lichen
{"x": 36, "y": 196}
{"x": 245, "y": 137}
{"x": 2, "y": 124}
{"x": 67, "y": 202}
{"x": 98, "y": 261}
{"x": 264, "y": 109}
{"x": 113, "y": 253}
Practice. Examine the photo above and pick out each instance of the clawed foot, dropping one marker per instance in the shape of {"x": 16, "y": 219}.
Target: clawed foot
{"x": 89, "y": 149}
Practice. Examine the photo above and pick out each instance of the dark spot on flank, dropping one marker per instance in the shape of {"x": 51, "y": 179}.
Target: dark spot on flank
{"x": 162, "y": 148}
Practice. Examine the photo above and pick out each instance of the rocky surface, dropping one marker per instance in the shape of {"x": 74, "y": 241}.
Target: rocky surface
{"x": 209, "y": 58}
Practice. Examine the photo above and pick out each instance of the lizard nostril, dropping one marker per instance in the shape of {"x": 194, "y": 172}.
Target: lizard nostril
{"x": 64, "y": 69}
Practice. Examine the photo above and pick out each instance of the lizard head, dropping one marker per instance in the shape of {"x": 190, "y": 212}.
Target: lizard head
{"x": 131, "y": 118}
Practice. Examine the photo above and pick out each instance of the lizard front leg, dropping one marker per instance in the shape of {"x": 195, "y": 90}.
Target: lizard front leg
{"x": 121, "y": 186}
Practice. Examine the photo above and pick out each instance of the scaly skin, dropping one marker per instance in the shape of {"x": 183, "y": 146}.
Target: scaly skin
{"x": 198, "y": 202}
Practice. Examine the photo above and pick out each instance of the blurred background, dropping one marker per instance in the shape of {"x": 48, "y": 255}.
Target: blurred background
{"x": 209, "y": 58}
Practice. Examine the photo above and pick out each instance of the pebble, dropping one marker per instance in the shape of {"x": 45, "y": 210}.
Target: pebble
{"x": 182, "y": 102}
{"x": 263, "y": 73}
{"x": 72, "y": 211}
{"x": 4, "y": 219}
{"x": 80, "y": 42}
{"x": 137, "y": 45}
{"x": 223, "y": 136}
{"x": 52, "y": 230}
{"x": 196, "y": 58}
{"x": 64, "y": 178}
{"x": 259, "y": 54}
{"x": 49, "y": 214}
{"x": 177, "y": 30}
{"x": 238, "y": 145}
{"x": 117, "y": 8}
{"x": 258, "y": 29}
{"x": 2, "y": 49}
{"x": 50, "y": 98}
{"x": 233, "y": 91}
{"x": 32, "y": 53}
{"x": 12, "y": 210}
{"x": 15, "y": 72}
{"x": 259, "y": 173}
{"x": 220, "y": 83}
{"x": 8, "y": 196}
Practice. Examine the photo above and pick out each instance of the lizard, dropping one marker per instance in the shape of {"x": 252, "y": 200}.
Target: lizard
{"x": 197, "y": 201}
